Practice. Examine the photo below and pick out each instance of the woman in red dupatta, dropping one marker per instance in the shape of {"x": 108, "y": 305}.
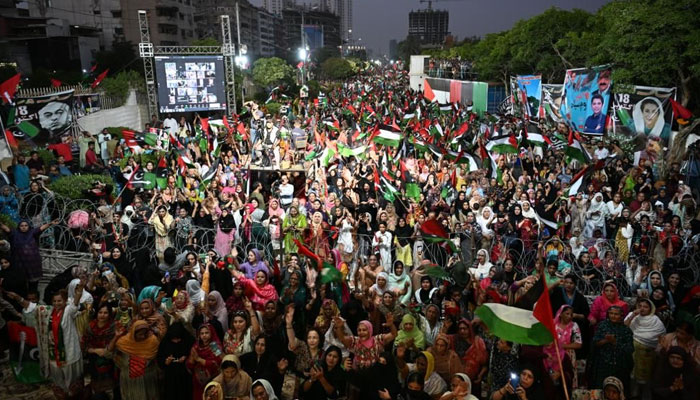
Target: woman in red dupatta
{"x": 258, "y": 290}
{"x": 471, "y": 349}
{"x": 204, "y": 360}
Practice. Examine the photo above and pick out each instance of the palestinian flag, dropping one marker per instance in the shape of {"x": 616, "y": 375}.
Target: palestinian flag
{"x": 576, "y": 151}
{"x": 387, "y": 135}
{"x": 358, "y": 152}
{"x": 503, "y": 145}
{"x": 162, "y": 173}
{"x": 514, "y": 324}
{"x": 333, "y": 125}
{"x": 433, "y": 232}
{"x": 210, "y": 174}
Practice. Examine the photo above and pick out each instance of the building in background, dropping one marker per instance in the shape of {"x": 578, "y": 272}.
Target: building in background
{"x": 321, "y": 28}
{"x": 429, "y": 26}
{"x": 171, "y": 22}
{"x": 393, "y": 49}
{"x": 58, "y": 34}
{"x": 260, "y": 30}
{"x": 276, "y": 6}
{"x": 341, "y": 8}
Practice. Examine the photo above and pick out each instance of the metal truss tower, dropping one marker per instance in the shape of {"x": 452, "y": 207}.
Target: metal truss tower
{"x": 147, "y": 51}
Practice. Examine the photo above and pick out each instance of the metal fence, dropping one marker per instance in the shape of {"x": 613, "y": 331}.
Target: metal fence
{"x": 58, "y": 241}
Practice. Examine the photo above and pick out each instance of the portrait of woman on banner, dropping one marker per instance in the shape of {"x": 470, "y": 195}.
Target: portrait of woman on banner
{"x": 648, "y": 116}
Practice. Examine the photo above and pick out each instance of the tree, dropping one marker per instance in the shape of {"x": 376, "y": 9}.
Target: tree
{"x": 270, "y": 72}
{"x": 121, "y": 56}
{"x": 337, "y": 68}
{"x": 407, "y": 48}
{"x": 654, "y": 43}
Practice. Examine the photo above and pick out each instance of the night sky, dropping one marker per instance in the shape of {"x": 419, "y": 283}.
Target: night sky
{"x": 378, "y": 21}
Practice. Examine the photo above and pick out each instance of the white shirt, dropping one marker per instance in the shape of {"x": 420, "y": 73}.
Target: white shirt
{"x": 601, "y": 154}
{"x": 170, "y": 125}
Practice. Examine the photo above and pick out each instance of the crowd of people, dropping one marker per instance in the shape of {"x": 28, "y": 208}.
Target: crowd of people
{"x": 302, "y": 255}
{"x": 455, "y": 68}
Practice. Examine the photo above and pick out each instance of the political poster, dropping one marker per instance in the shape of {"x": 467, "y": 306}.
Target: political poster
{"x": 530, "y": 92}
{"x": 586, "y": 99}
{"x": 551, "y": 102}
{"x": 642, "y": 110}
{"x": 43, "y": 119}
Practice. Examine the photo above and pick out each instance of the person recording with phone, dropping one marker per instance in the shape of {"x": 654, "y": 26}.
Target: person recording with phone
{"x": 525, "y": 385}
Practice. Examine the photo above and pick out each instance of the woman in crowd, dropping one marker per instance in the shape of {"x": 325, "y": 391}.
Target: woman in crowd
{"x": 204, "y": 359}
{"x": 646, "y": 329}
{"x": 569, "y": 340}
{"x": 235, "y": 383}
{"x": 98, "y": 335}
{"x": 447, "y": 362}
{"x": 675, "y": 377}
{"x": 172, "y": 356}
{"x": 244, "y": 327}
{"x": 609, "y": 298}
{"x": 326, "y": 380}
{"x": 461, "y": 389}
{"x": 613, "y": 346}
{"x": 134, "y": 352}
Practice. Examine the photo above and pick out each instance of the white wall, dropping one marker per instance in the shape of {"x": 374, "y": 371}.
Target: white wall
{"x": 130, "y": 115}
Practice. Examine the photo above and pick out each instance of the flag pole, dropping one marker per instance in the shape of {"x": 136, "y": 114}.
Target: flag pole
{"x": 561, "y": 368}
{"x": 128, "y": 182}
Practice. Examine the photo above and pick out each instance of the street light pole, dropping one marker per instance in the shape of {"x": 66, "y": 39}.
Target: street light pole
{"x": 303, "y": 48}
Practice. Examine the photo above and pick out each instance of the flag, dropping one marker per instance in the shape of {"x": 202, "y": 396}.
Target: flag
{"x": 683, "y": 115}
{"x": 99, "y": 78}
{"x": 9, "y": 88}
{"x": 93, "y": 68}
{"x": 162, "y": 173}
{"x": 428, "y": 91}
{"x": 514, "y": 324}
{"x": 327, "y": 156}
{"x": 131, "y": 177}
{"x": 576, "y": 151}
{"x": 305, "y": 251}
{"x": 387, "y": 136}
{"x": 138, "y": 140}
{"x": 358, "y": 152}
{"x": 204, "y": 122}
{"x": 413, "y": 191}
{"x": 240, "y": 128}
{"x": 56, "y": 82}
{"x": 210, "y": 174}
{"x": 543, "y": 311}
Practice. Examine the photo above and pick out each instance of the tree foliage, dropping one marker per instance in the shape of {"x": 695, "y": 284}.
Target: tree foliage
{"x": 648, "y": 42}
{"x": 118, "y": 85}
{"x": 269, "y": 72}
{"x": 207, "y": 41}
{"x": 121, "y": 56}
{"x": 337, "y": 68}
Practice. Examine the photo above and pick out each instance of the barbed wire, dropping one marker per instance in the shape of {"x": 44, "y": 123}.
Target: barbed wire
{"x": 40, "y": 208}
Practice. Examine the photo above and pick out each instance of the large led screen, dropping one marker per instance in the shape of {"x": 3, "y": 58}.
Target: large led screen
{"x": 190, "y": 83}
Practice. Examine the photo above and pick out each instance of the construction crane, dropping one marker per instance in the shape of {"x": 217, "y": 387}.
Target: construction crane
{"x": 430, "y": 2}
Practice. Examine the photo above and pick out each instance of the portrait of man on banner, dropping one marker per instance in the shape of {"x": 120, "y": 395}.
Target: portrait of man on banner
{"x": 586, "y": 99}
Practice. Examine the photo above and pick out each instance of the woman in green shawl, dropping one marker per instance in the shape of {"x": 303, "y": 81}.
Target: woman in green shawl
{"x": 295, "y": 293}
{"x": 400, "y": 283}
{"x": 410, "y": 336}
{"x": 293, "y": 225}
{"x": 612, "y": 350}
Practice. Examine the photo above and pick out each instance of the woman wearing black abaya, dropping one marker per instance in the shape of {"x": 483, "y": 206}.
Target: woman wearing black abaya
{"x": 172, "y": 353}
{"x": 383, "y": 375}
{"x": 675, "y": 377}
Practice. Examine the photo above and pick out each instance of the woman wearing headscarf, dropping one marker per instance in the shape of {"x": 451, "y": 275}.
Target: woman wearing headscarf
{"x": 293, "y": 225}
{"x": 261, "y": 389}
{"x": 471, "y": 349}
{"x": 410, "y": 336}
{"x": 134, "y": 354}
{"x": 294, "y": 293}
{"x": 569, "y": 340}
{"x": 608, "y": 298}
{"x": 529, "y": 387}
{"x": 424, "y": 364}
{"x": 182, "y": 310}
{"x": 258, "y": 290}
{"x": 447, "y": 362}
{"x": 147, "y": 312}
{"x": 595, "y": 216}
{"x": 404, "y": 239}
{"x": 327, "y": 379}
{"x": 381, "y": 286}
{"x": 195, "y": 292}
{"x": 366, "y": 346}
{"x": 204, "y": 359}
{"x": 613, "y": 345}
{"x": 646, "y": 329}
{"x": 161, "y": 221}
{"x": 95, "y": 340}
{"x": 235, "y": 383}
{"x": 225, "y": 232}
{"x": 217, "y": 307}
{"x": 682, "y": 337}
{"x": 424, "y": 295}
{"x": 24, "y": 242}
{"x": 461, "y": 388}
{"x": 173, "y": 351}
{"x": 675, "y": 377}
{"x": 253, "y": 264}
{"x": 400, "y": 283}
{"x": 483, "y": 265}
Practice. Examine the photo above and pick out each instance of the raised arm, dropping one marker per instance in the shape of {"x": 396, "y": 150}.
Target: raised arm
{"x": 339, "y": 324}
{"x": 389, "y": 337}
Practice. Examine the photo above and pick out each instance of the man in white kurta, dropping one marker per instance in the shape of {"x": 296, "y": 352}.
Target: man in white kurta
{"x": 382, "y": 242}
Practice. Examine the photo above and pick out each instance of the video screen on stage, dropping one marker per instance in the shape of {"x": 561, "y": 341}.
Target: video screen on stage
{"x": 190, "y": 83}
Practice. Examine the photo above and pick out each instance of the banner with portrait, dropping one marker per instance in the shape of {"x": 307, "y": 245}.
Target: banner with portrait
{"x": 586, "y": 99}
{"x": 642, "y": 110}
{"x": 530, "y": 93}
{"x": 551, "y": 102}
{"x": 43, "y": 119}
